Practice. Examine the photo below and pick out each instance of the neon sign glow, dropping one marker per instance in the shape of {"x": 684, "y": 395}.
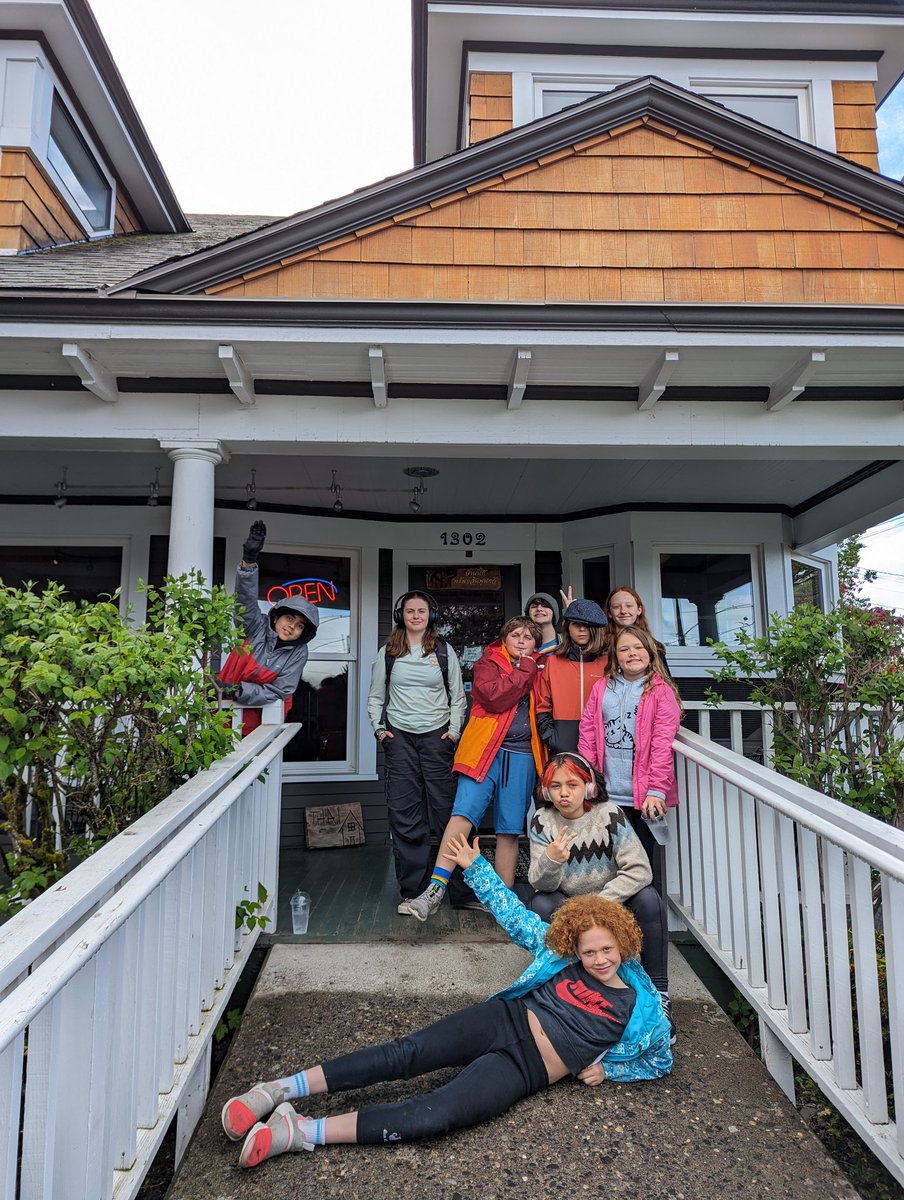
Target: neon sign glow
{"x": 315, "y": 591}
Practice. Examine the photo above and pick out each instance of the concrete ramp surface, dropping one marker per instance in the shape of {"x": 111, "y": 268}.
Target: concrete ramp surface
{"x": 717, "y": 1129}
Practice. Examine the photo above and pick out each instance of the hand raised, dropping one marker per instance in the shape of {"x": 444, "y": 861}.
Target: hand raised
{"x": 459, "y": 850}
{"x": 254, "y": 542}
{"x": 559, "y": 848}
{"x": 567, "y": 597}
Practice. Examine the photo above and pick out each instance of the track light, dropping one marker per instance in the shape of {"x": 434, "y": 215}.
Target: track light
{"x": 61, "y": 489}
{"x": 416, "y": 492}
{"x": 154, "y": 489}
{"x": 336, "y": 490}
{"x": 251, "y": 491}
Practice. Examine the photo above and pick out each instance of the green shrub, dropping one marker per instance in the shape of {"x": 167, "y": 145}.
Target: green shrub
{"x": 100, "y": 718}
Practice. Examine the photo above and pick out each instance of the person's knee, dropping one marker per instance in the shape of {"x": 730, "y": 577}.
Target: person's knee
{"x": 647, "y": 906}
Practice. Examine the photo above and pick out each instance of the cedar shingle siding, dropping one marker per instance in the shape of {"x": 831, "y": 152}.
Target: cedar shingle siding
{"x": 489, "y": 105}
{"x": 855, "y": 122}
{"x": 32, "y": 214}
{"x": 642, "y": 213}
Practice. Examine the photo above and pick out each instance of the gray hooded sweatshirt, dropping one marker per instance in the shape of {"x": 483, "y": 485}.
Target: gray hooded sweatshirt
{"x": 285, "y": 659}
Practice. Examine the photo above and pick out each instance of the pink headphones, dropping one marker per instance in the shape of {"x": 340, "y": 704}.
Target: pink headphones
{"x": 591, "y": 788}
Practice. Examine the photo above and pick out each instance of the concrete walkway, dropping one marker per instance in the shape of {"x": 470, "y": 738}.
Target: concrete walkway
{"x": 717, "y": 1128}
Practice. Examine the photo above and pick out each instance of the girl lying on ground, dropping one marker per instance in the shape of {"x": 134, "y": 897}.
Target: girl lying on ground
{"x": 584, "y": 1007}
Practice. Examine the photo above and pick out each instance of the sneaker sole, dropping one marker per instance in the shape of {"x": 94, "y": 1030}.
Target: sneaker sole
{"x": 237, "y": 1119}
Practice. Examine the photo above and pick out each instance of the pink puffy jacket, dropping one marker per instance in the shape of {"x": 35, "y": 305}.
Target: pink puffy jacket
{"x": 658, "y": 718}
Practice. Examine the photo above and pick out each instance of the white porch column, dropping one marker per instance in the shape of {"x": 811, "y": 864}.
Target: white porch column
{"x": 192, "y": 512}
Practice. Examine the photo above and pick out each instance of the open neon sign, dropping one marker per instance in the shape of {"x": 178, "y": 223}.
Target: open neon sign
{"x": 315, "y": 591}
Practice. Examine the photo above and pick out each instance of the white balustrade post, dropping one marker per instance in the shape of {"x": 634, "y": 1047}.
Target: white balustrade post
{"x": 192, "y": 513}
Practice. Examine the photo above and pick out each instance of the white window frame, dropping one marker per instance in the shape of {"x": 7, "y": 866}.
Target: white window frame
{"x": 57, "y": 179}
{"x": 704, "y": 657}
{"x": 335, "y": 769}
{"x": 825, "y": 573}
{"x": 799, "y": 90}
{"x": 577, "y": 83}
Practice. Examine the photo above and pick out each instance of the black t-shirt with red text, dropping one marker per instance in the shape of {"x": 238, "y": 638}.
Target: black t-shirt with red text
{"x": 581, "y": 1016}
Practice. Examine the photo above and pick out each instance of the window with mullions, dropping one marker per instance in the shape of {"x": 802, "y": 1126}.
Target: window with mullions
{"x": 321, "y": 703}
{"x": 77, "y": 169}
{"x": 705, "y": 598}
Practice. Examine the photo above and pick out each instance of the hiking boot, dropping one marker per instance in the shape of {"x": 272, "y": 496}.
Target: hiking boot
{"x": 241, "y": 1112}
{"x": 280, "y": 1135}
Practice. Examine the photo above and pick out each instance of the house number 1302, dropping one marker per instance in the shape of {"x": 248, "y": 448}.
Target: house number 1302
{"x": 463, "y": 539}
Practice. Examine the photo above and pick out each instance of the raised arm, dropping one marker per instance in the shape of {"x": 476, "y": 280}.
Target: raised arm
{"x": 524, "y": 928}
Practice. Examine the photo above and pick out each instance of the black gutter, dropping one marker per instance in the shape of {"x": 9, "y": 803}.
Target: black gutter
{"x": 801, "y": 8}
{"x": 83, "y": 19}
{"x": 816, "y": 321}
{"x": 662, "y": 101}
{"x": 419, "y": 79}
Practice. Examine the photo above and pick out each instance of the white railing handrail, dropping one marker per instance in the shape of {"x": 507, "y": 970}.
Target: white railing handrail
{"x": 878, "y": 843}
{"x": 55, "y": 971}
{"x": 49, "y": 917}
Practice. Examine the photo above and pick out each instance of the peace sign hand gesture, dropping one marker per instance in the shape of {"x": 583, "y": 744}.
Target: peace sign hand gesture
{"x": 558, "y": 849}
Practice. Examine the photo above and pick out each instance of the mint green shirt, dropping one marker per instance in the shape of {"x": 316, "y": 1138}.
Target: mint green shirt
{"x": 417, "y": 695}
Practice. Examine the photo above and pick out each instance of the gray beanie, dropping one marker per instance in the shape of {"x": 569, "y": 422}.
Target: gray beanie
{"x": 548, "y": 601}
{"x": 586, "y": 612}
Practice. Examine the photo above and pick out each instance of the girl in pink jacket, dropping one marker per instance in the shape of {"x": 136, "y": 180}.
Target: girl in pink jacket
{"x": 627, "y": 729}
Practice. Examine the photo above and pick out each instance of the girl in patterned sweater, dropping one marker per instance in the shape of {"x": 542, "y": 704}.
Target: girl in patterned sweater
{"x": 580, "y": 844}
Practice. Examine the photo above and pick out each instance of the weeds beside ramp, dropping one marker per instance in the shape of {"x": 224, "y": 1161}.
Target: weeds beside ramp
{"x": 717, "y": 1127}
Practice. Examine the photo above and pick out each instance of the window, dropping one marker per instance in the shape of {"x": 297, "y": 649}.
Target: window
{"x": 705, "y": 597}
{"x": 807, "y": 583}
{"x": 779, "y": 112}
{"x": 554, "y": 100}
{"x": 87, "y": 572}
{"x": 597, "y": 575}
{"x": 322, "y": 702}
{"x": 77, "y": 169}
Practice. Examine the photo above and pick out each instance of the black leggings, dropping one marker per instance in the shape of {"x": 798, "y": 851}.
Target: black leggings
{"x": 492, "y": 1041}
{"x": 649, "y": 912}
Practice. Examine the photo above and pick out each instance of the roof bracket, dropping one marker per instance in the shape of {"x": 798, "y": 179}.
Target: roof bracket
{"x": 518, "y": 380}
{"x": 793, "y": 382}
{"x": 656, "y": 380}
{"x": 96, "y": 378}
{"x": 240, "y": 378}
{"x": 378, "y": 376}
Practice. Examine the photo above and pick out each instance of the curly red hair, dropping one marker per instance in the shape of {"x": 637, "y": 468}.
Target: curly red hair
{"x": 581, "y": 913}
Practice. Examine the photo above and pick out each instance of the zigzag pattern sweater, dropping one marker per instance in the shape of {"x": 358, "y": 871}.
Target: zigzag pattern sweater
{"x": 605, "y": 857}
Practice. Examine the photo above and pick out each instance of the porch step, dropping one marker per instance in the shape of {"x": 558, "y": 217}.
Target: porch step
{"x": 718, "y": 1126}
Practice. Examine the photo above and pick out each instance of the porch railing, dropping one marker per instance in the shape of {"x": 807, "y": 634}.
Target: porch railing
{"x": 796, "y": 897}
{"x": 113, "y": 981}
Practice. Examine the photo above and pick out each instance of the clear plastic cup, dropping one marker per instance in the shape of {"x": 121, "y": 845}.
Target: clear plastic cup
{"x": 301, "y": 912}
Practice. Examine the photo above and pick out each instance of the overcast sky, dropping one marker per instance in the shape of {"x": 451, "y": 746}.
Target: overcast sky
{"x": 275, "y": 106}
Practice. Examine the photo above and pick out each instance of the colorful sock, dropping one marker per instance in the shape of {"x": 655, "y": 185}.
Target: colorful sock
{"x": 285, "y": 1132}
{"x": 313, "y": 1132}
{"x": 439, "y": 878}
{"x": 295, "y": 1087}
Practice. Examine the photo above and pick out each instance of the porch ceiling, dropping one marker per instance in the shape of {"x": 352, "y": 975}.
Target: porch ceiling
{"x": 493, "y": 487}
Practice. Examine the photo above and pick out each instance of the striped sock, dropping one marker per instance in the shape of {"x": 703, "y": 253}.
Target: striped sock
{"x": 295, "y": 1087}
{"x": 439, "y": 878}
{"x": 313, "y": 1132}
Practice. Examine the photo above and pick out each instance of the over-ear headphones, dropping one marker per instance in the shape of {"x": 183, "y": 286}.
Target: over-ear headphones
{"x": 415, "y": 593}
{"x": 591, "y": 787}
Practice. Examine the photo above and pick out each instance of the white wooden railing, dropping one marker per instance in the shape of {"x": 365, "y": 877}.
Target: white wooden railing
{"x": 113, "y": 981}
{"x": 786, "y": 889}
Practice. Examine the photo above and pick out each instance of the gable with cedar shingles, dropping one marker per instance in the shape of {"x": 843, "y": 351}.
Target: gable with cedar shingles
{"x": 642, "y": 213}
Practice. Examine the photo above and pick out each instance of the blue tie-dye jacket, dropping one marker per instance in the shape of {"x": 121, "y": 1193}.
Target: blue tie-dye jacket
{"x": 643, "y": 1051}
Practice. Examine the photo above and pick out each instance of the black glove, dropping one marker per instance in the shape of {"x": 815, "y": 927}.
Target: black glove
{"x": 254, "y": 543}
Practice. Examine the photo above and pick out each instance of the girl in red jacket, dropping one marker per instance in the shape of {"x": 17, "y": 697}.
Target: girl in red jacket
{"x": 498, "y": 758}
{"x": 628, "y": 728}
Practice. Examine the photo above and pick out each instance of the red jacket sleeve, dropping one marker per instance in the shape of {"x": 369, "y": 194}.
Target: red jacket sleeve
{"x": 498, "y": 690}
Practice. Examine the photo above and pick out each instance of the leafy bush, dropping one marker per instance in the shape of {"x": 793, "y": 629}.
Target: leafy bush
{"x": 834, "y": 684}
{"x": 100, "y": 718}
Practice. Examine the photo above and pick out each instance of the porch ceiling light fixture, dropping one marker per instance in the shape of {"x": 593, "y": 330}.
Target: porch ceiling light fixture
{"x": 154, "y": 489}
{"x": 336, "y": 491}
{"x": 251, "y": 491}
{"x": 62, "y": 487}
{"x": 420, "y": 474}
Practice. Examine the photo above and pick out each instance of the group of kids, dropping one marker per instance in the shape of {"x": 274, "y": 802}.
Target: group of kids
{"x": 572, "y": 733}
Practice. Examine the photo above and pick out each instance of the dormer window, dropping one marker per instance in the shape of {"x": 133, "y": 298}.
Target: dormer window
{"x": 77, "y": 170}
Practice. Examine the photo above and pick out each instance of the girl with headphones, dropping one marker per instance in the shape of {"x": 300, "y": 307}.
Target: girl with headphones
{"x": 581, "y": 844}
{"x": 416, "y": 706}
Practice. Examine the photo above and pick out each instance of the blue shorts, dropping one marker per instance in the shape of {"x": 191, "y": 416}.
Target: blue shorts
{"x": 508, "y": 784}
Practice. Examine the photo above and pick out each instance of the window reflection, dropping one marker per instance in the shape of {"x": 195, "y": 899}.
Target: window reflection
{"x": 705, "y": 598}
